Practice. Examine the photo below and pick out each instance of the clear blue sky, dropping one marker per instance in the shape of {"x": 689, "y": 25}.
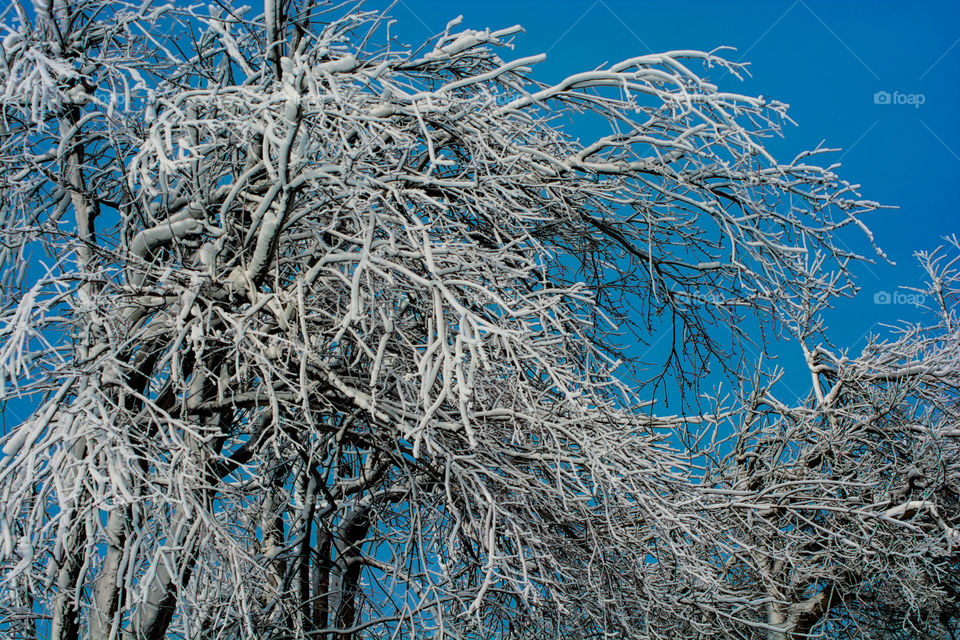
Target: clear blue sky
{"x": 828, "y": 60}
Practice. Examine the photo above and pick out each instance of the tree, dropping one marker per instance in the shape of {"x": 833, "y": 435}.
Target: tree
{"x": 330, "y": 339}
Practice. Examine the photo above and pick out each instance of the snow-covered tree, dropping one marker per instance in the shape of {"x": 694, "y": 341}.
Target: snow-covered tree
{"x": 327, "y": 337}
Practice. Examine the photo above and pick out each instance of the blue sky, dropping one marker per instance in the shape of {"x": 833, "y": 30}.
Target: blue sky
{"x": 827, "y": 60}
{"x": 830, "y": 61}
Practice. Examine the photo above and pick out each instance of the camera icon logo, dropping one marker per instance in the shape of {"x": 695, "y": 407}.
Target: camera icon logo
{"x": 881, "y": 97}
{"x": 881, "y": 297}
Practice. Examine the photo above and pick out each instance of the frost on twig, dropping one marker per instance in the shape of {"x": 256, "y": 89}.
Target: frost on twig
{"x": 330, "y": 344}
